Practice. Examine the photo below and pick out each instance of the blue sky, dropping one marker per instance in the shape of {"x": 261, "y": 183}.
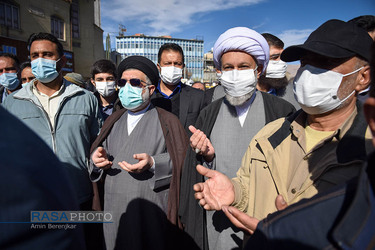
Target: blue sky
{"x": 290, "y": 20}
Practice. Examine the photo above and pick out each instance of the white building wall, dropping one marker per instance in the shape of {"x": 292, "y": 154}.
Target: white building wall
{"x": 149, "y": 47}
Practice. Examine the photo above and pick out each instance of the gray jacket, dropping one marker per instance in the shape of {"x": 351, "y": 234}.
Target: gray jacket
{"x": 77, "y": 123}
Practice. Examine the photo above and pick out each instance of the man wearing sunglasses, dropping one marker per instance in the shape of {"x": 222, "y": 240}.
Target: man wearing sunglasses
{"x": 9, "y": 75}
{"x": 140, "y": 150}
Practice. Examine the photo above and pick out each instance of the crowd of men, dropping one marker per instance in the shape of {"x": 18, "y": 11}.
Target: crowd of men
{"x": 264, "y": 160}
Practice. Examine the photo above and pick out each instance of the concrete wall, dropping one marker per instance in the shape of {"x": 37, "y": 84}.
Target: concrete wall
{"x": 91, "y": 46}
{"x": 35, "y": 17}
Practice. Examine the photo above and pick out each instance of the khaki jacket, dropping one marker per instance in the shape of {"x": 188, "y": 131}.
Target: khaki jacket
{"x": 276, "y": 162}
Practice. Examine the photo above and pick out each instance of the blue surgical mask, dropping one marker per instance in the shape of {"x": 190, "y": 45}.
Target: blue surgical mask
{"x": 44, "y": 69}
{"x": 9, "y": 80}
{"x": 130, "y": 97}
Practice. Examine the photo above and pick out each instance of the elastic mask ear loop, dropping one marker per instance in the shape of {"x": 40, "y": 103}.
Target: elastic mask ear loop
{"x": 56, "y": 65}
{"x": 353, "y": 71}
{"x": 346, "y": 98}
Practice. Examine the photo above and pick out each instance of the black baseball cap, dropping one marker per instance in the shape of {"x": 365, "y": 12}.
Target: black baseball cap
{"x": 335, "y": 39}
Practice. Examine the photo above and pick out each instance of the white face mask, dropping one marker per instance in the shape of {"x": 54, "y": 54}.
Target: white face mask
{"x": 276, "y": 69}
{"x": 25, "y": 84}
{"x": 316, "y": 89}
{"x": 238, "y": 83}
{"x": 106, "y": 89}
{"x": 170, "y": 75}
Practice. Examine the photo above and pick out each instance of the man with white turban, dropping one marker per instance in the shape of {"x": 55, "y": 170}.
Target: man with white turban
{"x": 319, "y": 147}
{"x": 224, "y": 129}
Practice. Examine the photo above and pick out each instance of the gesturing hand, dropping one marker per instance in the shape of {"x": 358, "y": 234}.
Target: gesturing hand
{"x": 241, "y": 220}
{"x": 201, "y": 144}
{"x": 245, "y": 222}
{"x": 100, "y": 158}
{"x": 216, "y": 191}
{"x": 145, "y": 163}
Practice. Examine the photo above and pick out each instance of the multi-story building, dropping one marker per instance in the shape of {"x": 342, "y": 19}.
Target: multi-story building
{"x": 209, "y": 75}
{"x": 76, "y": 23}
{"x": 148, "y": 46}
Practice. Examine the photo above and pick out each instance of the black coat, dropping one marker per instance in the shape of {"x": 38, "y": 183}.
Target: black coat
{"x": 190, "y": 102}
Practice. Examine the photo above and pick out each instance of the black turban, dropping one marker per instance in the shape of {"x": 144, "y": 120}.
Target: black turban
{"x": 141, "y": 63}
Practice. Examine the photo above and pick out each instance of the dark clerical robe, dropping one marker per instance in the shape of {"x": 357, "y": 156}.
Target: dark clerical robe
{"x": 159, "y": 134}
{"x": 193, "y": 217}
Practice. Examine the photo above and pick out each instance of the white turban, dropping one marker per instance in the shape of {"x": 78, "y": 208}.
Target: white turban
{"x": 244, "y": 39}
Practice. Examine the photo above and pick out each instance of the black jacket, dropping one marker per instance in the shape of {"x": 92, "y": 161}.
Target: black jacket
{"x": 190, "y": 102}
{"x": 343, "y": 218}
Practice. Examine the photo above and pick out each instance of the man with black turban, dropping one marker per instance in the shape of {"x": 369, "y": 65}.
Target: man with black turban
{"x": 140, "y": 150}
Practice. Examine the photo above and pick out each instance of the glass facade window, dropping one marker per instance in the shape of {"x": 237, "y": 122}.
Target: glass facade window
{"x": 149, "y": 47}
{"x": 9, "y": 15}
{"x": 75, "y": 19}
{"x": 57, "y": 27}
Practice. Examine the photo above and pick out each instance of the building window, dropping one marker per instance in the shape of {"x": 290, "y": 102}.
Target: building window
{"x": 57, "y": 27}
{"x": 9, "y": 15}
{"x": 74, "y": 13}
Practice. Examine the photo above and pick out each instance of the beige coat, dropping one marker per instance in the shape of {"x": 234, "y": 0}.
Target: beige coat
{"x": 276, "y": 163}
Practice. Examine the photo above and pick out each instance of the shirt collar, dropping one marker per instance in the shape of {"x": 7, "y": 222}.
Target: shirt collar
{"x": 35, "y": 90}
{"x": 272, "y": 91}
{"x": 175, "y": 91}
{"x": 298, "y": 125}
{"x": 139, "y": 112}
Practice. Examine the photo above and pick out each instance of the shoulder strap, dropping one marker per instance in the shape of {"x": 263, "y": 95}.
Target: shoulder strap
{"x": 283, "y": 131}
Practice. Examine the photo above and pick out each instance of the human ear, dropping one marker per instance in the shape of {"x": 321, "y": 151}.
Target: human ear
{"x": 363, "y": 78}
{"x": 259, "y": 71}
{"x": 152, "y": 89}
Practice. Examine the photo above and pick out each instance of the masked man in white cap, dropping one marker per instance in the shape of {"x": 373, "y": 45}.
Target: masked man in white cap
{"x": 320, "y": 146}
{"x": 224, "y": 130}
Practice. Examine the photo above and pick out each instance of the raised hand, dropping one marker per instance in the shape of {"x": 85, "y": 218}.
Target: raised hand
{"x": 145, "y": 162}
{"x": 215, "y": 192}
{"x": 100, "y": 158}
{"x": 201, "y": 144}
{"x": 241, "y": 220}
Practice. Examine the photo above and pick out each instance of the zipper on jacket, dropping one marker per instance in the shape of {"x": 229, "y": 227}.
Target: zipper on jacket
{"x": 48, "y": 121}
{"x": 52, "y": 129}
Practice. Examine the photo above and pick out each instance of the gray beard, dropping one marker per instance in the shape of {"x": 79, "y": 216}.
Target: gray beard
{"x": 239, "y": 100}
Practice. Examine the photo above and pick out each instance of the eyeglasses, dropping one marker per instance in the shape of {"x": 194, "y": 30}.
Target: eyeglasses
{"x": 8, "y": 70}
{"x": 134, "y": 82}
